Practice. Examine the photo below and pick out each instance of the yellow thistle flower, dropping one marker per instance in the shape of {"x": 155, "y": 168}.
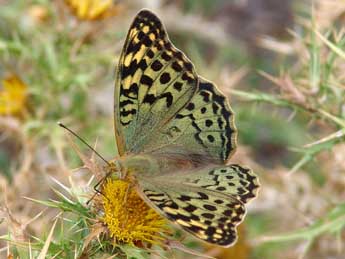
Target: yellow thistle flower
{"x": 91, "y": 9}
{"x": 12, "y": 95}
{"x": 128, "y": 218}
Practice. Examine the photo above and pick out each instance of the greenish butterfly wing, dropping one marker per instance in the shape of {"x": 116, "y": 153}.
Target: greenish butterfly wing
{"x": 207, "y": 202}
{"x": 154, "y": 81}
{"x": 177, "y": 131}
{"x": 205, "y": 126}
{"x": 162, "y": 105}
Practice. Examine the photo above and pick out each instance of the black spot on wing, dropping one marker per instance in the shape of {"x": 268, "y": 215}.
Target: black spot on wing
{"x": 203, "y": 196}
{"x": 210, "y": 231}
{"x": 219, "y": 102}
{"x": 150, "y": 53}
{"x": 156, "y": 65}
{"x": 149, "y": 98}
{"x": 184, "y": 198}
{"x": 168, "y": 97}
{"x": 176, "y": 66}
{"x": 166, "y": 56}
{"x": 208, "y": 215}
{"x": 210, "y": 138}
{"x": 190, "y": 106}
{"x": 205, "y": 95}
{"x": 131, "y": 92}
{"x": 146, "y": 80}
{"x": 164, "y": 78}
{"x": 126, "y": 102}
{"x": 130, "y": 70}
{"x": 208, "y": 123}
{"x": 190, "y": 208}
{"x": 177, "y": 86}
{"x": 128, "y": 112}
{"x": 187, "y": 78}
{"x": 219, "y": 201}
{"x": 210, "y": 207}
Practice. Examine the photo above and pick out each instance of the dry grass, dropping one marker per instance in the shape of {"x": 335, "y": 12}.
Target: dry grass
{"x": 290, "y": 115}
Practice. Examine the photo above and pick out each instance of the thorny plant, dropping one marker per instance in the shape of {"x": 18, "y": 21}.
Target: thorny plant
{"x": 58, "y": 80}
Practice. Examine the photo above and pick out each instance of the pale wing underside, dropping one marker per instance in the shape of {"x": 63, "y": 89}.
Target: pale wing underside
{"x": 208, "y": 202}
{"x": 153, "y": 82}
{"x": 160, "y": 102}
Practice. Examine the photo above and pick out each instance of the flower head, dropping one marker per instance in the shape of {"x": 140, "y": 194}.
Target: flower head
{"x": 128, "y": 218}
{"x": 92, "y": 9}
{"x": 12, "y": 95}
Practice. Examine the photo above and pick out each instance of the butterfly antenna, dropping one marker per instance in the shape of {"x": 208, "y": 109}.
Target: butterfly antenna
{"x": 82, "y": 140}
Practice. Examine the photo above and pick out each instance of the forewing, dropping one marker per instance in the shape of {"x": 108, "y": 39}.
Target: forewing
{"x": 154, "y": 80}
{"x": 208, "y": 203}
{"x": 162, "y": 105}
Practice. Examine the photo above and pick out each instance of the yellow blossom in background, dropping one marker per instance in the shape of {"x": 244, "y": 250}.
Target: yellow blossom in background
{"x": 13, "y": 94}
{"x": 92, "y": 9}
{"x": 38, "y": 13}
{"x": 128, "y": 218}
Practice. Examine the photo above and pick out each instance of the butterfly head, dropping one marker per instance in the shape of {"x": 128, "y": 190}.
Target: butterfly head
{"x": 113, "y": 169}
{"x": 123, "y": 168}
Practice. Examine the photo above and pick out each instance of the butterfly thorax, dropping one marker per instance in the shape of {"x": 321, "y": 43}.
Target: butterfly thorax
{"x": 129, "y": 167}
{"x": 139, "y": 164}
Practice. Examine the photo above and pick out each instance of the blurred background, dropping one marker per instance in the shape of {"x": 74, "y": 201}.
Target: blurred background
{"x": 280, "y": 63}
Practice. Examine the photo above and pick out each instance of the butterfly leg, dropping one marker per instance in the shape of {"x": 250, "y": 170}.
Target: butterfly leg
{"x": 95, "y": 188}
{"x": 112, "y": 168}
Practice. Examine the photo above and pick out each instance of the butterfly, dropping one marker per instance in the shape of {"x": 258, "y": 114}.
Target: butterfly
{"x": 175, "y": 133}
